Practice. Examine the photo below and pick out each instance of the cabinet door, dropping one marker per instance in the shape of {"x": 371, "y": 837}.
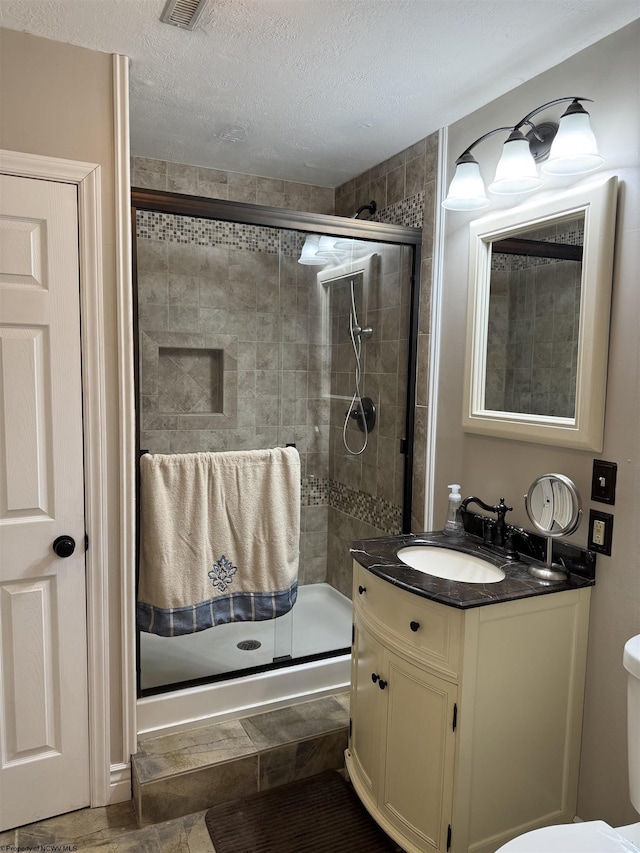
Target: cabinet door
{"x": 367, "y": 708}
{"x": 417, "y": 788}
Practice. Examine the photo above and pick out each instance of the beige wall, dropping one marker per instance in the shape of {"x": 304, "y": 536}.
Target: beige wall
{"x": 607, "y": 72}
{"x": 57, "y": 101}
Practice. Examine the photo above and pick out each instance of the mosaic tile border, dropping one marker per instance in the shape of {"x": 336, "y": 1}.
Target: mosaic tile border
{"x": 378, "y": 512}
{"x": 370, "y": 509}
{"x": 174, "y": 228}
{"x": 409, "y": 212}
{"x": 572, "y": 236}
{"x": 314, "y": 491}
{"x": 193, "y": 230}
{"x": 513, "y": 263}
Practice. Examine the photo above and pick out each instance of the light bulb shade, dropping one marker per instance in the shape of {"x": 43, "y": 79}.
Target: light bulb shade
{"x": 309, "y": 254}
{"x": 328, "y": 250}
{"x": 516, "y": 170}
{"x": 350, "y": 248}
{"x": 326, "y": 246}
{"x": 574, "y": 150}
{"x": 466, "y": 191}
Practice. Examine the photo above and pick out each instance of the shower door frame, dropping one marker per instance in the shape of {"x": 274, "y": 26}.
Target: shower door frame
{"x": 179, "y": 204}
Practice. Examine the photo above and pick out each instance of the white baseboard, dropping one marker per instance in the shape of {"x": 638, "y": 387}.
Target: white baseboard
{"x": 120, "y": 783}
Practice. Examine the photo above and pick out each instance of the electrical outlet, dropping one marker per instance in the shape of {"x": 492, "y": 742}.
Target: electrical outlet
{"x": 597, "y": 534}
{"x": 600, "y": 532}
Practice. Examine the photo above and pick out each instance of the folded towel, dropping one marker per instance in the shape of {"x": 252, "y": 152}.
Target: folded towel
{"x": 219, "y": 538}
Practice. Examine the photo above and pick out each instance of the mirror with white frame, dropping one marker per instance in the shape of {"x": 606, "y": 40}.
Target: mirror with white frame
{"x": 538, "y": 318}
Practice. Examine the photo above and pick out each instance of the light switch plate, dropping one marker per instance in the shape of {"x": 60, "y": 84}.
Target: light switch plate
{"x": 603, "y": 482}
{"x": 600, "y": 532}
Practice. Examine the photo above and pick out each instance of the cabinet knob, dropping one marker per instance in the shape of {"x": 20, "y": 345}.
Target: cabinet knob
{"x": 382, "y": 684}
{"x": 414, "y": 626}
{"x": 374, "y": 677}
{"x": 362, "y": 589}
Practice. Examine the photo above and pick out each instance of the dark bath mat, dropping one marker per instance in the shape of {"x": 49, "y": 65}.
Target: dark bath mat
{"x": 321, "y": 814}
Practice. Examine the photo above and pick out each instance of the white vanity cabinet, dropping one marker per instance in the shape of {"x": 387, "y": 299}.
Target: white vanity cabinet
{"x": 465, "y": 724}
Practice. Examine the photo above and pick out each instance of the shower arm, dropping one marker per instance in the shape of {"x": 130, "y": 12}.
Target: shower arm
{"x": 371, "y": 207}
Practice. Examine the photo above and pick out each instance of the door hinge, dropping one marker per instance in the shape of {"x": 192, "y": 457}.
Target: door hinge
{"x": 454, "y": 722}
{"x": 353, "y": 633}
{"x": 403, "y": 446}
{"x": 86, "y": 541}
{"x": 449, "y": 837}
{"x": 350, "y": 726}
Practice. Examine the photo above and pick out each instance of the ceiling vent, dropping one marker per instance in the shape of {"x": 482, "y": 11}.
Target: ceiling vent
{"x": 183, "y": 13}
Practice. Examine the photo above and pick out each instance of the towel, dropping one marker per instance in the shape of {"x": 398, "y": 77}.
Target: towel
{"x": 219, "y": 538}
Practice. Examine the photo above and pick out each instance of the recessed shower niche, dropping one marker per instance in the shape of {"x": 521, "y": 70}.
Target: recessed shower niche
{"x": 191, "y": 380}
{"x": 188, "y": 385}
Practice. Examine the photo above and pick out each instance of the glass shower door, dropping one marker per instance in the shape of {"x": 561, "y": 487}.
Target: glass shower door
{"x": 242, "y": 347}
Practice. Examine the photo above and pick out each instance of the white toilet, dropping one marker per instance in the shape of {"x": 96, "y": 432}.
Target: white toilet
{"x": 596, "y": 836}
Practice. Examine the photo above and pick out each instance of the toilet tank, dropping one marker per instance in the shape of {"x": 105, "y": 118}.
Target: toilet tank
{"x": 631, "y": 661}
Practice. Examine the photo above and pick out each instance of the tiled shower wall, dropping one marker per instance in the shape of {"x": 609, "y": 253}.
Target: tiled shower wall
{"x": 367, "y": 486}
{"x": 147, "y": 173}
{"x": 404, "y": 188}
{"x": 534, "y": 312}
{"x": 347, "y": 505}
{"x": 233, "y": 296}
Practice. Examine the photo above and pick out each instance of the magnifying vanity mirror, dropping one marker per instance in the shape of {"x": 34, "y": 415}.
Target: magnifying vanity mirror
{"x": 538, "y": 321}
{"x": 554, "y": 508}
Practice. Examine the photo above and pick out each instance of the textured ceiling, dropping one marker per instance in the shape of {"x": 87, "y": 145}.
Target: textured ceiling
{"x": 320, "y": 89}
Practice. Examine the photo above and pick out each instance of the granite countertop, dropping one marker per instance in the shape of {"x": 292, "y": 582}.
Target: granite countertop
{"x": 379, "y": 556}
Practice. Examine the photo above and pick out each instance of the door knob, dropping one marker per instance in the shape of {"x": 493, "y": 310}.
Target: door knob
{"x": 64, "y": 546}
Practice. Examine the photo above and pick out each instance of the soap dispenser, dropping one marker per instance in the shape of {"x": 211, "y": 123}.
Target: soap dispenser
{"x": 453, "y": 525}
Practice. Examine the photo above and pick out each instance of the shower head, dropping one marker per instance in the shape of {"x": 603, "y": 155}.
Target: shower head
{"x": 371, "y": 207}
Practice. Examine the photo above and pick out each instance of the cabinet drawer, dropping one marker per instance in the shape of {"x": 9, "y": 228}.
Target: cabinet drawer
{"x": 414, "y": 624}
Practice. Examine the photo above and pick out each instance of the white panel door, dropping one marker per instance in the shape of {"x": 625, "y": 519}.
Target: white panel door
{"x": 44, "y": 742}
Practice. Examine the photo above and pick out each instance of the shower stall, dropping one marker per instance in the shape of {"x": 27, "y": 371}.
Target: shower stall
{"x": 261, "y": 328}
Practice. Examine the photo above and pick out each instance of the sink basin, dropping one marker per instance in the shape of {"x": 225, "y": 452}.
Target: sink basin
{"x": 452, "y": 565}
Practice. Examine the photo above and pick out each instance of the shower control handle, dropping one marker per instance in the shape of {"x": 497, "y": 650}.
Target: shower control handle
{"x": 362, "y": 589}
{"x": 414, "y": 626}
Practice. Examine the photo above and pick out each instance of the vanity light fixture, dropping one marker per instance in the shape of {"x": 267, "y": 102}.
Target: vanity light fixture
{"x": 568, "y": 148}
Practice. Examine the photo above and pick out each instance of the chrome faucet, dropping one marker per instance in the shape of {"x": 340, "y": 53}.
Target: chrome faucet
{"x": 500, "y": 509}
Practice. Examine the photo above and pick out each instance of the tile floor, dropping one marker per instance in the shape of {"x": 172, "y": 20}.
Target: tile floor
{"x": 110, "y": 830}
{"x": 177, "y": 774}
{"x": 292, "y": 742}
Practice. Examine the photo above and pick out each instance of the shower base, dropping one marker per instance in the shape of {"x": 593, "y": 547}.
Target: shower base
{"x": 320, "y": 622}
